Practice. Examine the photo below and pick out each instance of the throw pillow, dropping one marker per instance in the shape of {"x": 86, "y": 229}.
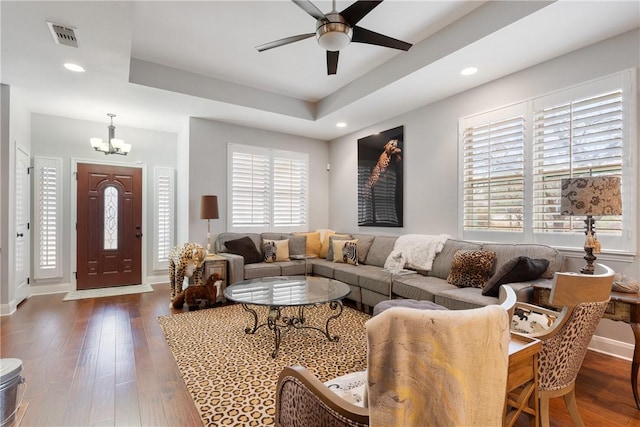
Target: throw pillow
{"x": 276, "y": 250}
{"x": 325, "y": 243}
{"x": 518, "y": 269}
{"x": 333, "y": 237}
{"x": 297, "y": 245}
{"x": 245, "y": 247}
{"x": 314, "y": 244}
{"x": 345, "y": 251}
{"x": 471, "y": 268}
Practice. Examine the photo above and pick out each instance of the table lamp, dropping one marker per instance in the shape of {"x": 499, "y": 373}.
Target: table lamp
{"x": 209, "y": 211}
{"x": 591, "y": 196}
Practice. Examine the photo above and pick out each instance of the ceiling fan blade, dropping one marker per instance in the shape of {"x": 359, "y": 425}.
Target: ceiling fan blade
{"x": 282, "y": 42}
{"x": 332, "y": 62}
{"x": 358, "y": 10}
{"x": 310, "y": 8}
{"x": 362, "y": 35}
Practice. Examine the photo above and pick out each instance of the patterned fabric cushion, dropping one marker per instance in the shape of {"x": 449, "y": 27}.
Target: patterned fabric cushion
{"x": 518, "y": 269}
{"x": 330, "y": 240}
{"x": 245, "y": 247}
{"x": 276, "y": 250}
{"x": 351, "y": 387}
{"x": 471, "y": 268}
{"x": 345, "y": 251}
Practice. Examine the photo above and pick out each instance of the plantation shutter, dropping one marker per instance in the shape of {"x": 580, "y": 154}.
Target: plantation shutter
{"x": 493, "y": 175}
{"x": 250, "y": 188}
{"x": 164, "y": 211}
{"x": 48, "y": 215}
{"x": 289, "y": 191}
{"x": 581, "y": 137}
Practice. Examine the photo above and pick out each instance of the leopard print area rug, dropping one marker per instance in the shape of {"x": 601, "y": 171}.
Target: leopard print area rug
{"x": 232, "y": 376}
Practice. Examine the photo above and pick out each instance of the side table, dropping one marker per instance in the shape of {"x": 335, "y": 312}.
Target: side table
{"x": 305, "y": 258}
{"x": 522, "y": 381}
{"x": 216, "y": 264}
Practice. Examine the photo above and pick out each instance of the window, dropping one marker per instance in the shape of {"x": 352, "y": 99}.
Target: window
{"x": 493, "y": 184}
{"x": 268, "y": 189}
{"x": 513, "y": 160}
{"x": 47, "y": 217}
{"x": 164, "y": 216}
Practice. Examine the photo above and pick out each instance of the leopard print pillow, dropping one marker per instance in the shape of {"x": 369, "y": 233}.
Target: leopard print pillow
{"x": 471, "y": 268}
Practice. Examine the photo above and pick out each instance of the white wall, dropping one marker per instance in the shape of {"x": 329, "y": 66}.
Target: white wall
{"x": 208, "y": 170}
{"x": 69, "y": 139}
{"x": 431, "y": 152}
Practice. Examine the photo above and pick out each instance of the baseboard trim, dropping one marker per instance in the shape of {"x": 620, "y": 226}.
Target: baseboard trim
{"x": 50, "y": 289}
{"x": 8, "y": 309}
{"x": 619, "y": 349}
{"x": 157, "y": 280}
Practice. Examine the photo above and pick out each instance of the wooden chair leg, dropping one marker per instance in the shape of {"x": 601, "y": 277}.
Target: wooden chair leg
{"x": 570, "y": 401}
{"x": 544, "y": 409}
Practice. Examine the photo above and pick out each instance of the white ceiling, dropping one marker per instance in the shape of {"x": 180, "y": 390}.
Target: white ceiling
{"x": 156, "y": 63}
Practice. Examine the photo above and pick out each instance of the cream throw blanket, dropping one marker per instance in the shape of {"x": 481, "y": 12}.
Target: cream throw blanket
{"x": 438, "y": 367}
{"x": 418, "y": 250}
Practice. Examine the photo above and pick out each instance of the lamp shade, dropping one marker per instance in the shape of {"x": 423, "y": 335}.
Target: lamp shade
{"x": 592, "y": 195}
{"x": 209, "y": 207}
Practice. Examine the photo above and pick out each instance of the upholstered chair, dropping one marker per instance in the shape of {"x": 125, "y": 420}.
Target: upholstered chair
{"x": 425, "y": 367}
{"x": 565, "y": 334}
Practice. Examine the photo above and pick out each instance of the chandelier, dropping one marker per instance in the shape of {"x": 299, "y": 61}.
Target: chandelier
{"x": 111, "y": 145}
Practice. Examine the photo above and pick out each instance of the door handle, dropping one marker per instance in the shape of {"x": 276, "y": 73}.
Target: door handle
{"x": 138, "y": 234}
{"x": 20, "y": 235}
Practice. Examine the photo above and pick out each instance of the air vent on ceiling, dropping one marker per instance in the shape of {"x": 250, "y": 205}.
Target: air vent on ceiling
{"x": 63, "y": 35}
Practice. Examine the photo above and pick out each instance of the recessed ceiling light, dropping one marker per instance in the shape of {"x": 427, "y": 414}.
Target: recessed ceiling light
{"x": 74, "y": 67}
{"x": 341, "y": 124}
{"x": 469, "y": 71}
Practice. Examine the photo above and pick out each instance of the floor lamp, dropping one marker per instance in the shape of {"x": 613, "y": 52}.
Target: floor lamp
{"x": 591, "y": 196}
{"x": 209, "y": 211}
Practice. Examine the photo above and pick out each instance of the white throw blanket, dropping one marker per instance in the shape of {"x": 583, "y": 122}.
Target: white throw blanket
{"x": 437, "y": 367}
{"x": 418, "y": 250}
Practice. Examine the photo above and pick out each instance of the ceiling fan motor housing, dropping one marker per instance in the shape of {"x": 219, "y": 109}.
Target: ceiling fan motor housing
{"x": 333, "y": 33}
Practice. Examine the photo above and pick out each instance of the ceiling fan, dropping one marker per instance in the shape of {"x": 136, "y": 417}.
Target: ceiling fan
{"x": 335, "y": 30}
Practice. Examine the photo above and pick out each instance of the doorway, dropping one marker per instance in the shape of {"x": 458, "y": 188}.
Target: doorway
{"x": 109, "y": 226}
{"x": 23, "y": 213}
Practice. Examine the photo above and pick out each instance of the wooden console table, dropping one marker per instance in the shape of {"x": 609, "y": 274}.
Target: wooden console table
{"x": 623, "y": 307}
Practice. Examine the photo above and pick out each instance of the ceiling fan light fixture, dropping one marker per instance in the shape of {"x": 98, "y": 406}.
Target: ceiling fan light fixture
{"x": 334, "y": 34}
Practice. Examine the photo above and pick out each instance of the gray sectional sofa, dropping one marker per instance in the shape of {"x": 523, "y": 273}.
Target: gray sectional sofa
{"x": 371, "y": 284}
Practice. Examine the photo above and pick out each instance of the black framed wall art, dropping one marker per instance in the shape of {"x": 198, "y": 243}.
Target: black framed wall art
{"x": 380, "y": 187}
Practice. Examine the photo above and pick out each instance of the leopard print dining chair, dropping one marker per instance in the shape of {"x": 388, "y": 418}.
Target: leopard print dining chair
{"x": 583, "y": 299}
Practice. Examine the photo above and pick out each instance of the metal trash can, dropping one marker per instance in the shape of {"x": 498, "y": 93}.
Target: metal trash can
{"x": 10, "y": 379}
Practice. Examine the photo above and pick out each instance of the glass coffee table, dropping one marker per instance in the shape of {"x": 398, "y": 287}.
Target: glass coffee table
{"x": 278, "y": 293}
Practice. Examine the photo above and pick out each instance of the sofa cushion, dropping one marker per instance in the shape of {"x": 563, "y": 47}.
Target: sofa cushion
{"x": 380, "y": 250}
{"x": 245, "y": 247}
{"x": 417, "y": 286}
{"x": 324, "y": 268}
{"x": 262, "y": 269}
{"x": 292, "y": 268}
{"x": 442, "y": 261}
{"x": 331, "y": 239}
{"x": 505, "y": 252}
{"x": 374, "y": 279}
{"x": 346, "y": 273}
{"x": 364, "y": 244}
{"x": 345, "y": 251}
{"x": 471, "y": 268}
{"x": 464, "y": 298}
{"x": 275, "y": 250}
{"x": 313, "y": 242}
{"x": 517, "y": 269}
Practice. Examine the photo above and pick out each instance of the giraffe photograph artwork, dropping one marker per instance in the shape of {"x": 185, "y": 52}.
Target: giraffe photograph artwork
{"x": 380, "y": 179}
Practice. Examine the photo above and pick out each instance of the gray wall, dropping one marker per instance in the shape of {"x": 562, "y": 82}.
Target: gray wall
{"x": 431, "y": 150}
{"x": 69, "y": 139}
{"x": 208, "y": 170}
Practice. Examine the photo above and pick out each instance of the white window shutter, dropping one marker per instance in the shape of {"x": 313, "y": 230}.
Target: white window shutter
{"x": 493, "y": 175}
{"x": 582, "y": 137}
{"x": 48, "y": 217}
{"x": 164, "y": 179}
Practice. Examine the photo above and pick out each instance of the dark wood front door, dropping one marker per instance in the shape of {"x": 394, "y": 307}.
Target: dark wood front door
{"x": 109, "y": 226}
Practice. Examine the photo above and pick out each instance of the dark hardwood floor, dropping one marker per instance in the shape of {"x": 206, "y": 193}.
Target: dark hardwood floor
{"x": 105, "y": 362}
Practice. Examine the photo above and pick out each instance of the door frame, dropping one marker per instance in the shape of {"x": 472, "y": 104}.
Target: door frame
{"x": 74, "y": 212}
{"x": 20, "y": 293}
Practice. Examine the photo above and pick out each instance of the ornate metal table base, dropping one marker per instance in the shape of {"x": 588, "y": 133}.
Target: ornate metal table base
{"x": 279, "y": 323}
